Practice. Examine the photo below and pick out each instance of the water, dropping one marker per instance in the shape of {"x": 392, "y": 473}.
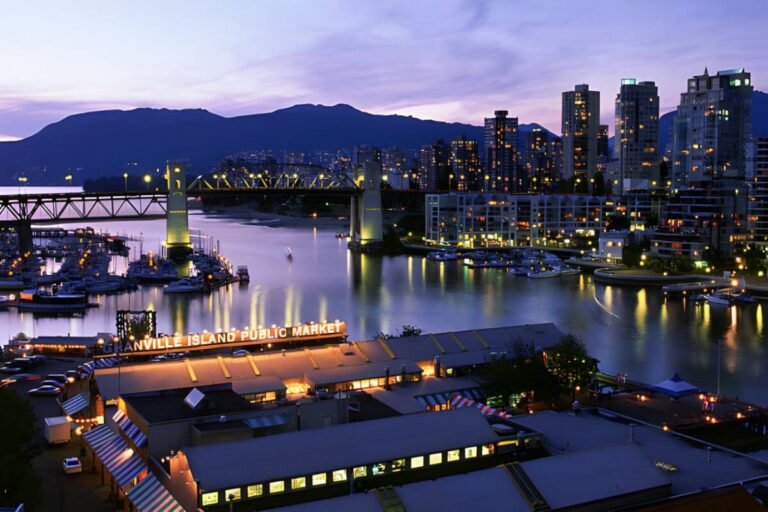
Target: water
{"x": 630, "y": 330}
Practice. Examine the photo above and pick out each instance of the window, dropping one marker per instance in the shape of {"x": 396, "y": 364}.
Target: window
{"x": 435, "y": 458}
{"x": 298, "y": 482}
{"x": 379, "y": 469}
{"x": 210, "y": 498}
{"x": 233, "y": 494}
{"x": 417, "y": 462}
{"x": 340, "y": 475}
{"x": 359, "y": 472}
{"x": 398, "y": 465}
{"x": 255, "y": 490}
{"x": 319, "y": 479}
{"x": 488, "y": 449}
{"x": 453, "y": 455}
{"x": 470, "y": 452}
{"x": 276, "y": 487}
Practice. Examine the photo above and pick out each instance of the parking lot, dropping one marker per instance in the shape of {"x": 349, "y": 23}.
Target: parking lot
{"x": 62, "y": 492}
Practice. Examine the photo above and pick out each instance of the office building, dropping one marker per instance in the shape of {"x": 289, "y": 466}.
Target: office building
{"x": 758, "y": 193}
{"x": 636, "y": 145}
{"x": 712, "y": 127}
{"x": 434, "y": 166}
{"x": 501, "y": 160}
{"x": 581, "y": 126}
{"x": 396, "y": 167}
{"x": 465, "y": 165}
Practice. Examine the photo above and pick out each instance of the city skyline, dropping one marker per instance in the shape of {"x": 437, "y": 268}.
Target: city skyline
{"x": 473, "y": 59}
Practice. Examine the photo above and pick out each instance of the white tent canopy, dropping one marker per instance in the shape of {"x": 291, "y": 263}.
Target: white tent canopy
{"x": 676, "y": 387}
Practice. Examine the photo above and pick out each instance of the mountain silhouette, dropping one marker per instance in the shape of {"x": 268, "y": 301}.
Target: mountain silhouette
{"x": 108, "y": 143}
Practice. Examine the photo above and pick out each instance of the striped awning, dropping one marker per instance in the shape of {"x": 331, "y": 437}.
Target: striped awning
{"x": 129, "y": 429}
{"x": 88, "y": 368}
{"x": 267, "y": 421}
{"x": 458, "y": 401}
{"x": 115, "y": 454}
{"x": 74, "y": 405}
{"x": 149, "y": 495}
{"x": 106, "y": 362}
{"x": 443, "y": 398}
{"x": 129, "y": 470}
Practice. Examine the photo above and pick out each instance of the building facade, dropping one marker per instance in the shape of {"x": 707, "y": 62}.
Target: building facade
{"x": 434, "y": 166}
{"x": 637, "y": 134}
{"x": 542, "y": 160}
{"x": 465, "y": 173}
{"x": 501, "y": 159}
{"x": 712, "y": 127}
{"x": 758, "y": 193}
{"x": 580, "y": 126}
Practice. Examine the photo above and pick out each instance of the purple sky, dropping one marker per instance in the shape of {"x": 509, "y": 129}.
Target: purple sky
{"x": 447, "y": 60}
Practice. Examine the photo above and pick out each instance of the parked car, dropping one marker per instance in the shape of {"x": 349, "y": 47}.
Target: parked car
{"x": 9, "y": 368}
{"x": 38, "y": 358}
{"x": 57, "y": 377}
{"x": 240, "y": 353}
{"x": 21, "y": 377}
{"x": 44, "y": 391}
{"x": 72, "y": 465}
{"x": 54, "y": 383}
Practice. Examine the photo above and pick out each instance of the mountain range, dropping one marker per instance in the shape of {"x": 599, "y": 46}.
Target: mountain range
{"x": 108, "y": 143}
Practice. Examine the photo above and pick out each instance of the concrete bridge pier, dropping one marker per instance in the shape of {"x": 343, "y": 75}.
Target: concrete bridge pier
{"x": 177, "y": 239}
{"x": 24, "y": 232}
{"x": 366, "y": 222}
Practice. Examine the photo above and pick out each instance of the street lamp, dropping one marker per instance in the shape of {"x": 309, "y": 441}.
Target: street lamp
{"x": 125, "y": 180}
{"x": 68, "y": 179}
{"x": 147, "y": 180}
{"x": 450, "y": 179}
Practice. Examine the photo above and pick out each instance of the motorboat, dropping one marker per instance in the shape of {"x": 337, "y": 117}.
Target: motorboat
{"x": 491, "y": 263}
{"x": 443, "y": 255}
{"x": 719, "y": 299}
{"x": 288, "y": 254}
{"x": 568, "y": 271}
{"x": 544, "y": 273}
{"x": 46, "y": 302}
{"x": 185, "y": 286}
{"x": 242, "y": 274}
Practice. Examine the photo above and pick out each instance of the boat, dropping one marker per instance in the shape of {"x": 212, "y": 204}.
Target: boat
{"x": 46, "y": 302}
{"x": 719, "y": 299}
{"x": 185, "y": 286}
{"x": 743, "y": 298}
{"x": 543, "y": 273}
{"x": 288, "y": 254}
{"x": 444, "y": 255}
{"x": 242, "y": 274}
{"x": 492, "y": 263}
{"x": 568, "y": 271}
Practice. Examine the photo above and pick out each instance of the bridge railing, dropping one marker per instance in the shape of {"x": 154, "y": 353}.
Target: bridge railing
{"x": 279, "y": 177}
{"x": 70, "y": 207}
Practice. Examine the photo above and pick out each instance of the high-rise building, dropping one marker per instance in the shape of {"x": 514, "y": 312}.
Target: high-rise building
{"x": 501, "y": 153}
{"x": 636, "y": 145}
{"x": 758, "y": 193}
{"x": 712, "y": 127}
{"x": 581, "y": 124}
{"x": 434, "y": 166}
{"x": 365, "y": 154}
{"x": 465, "y": 165}
{"x": 541, "y": 159}
{"x": 396, "y": 166}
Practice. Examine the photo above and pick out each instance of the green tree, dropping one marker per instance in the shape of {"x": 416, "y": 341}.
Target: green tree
{"x": 523, "y": 376}
{"x": 19, "y": 482}
{"x": 617, "y": 223}
{"x": 632, "y": 254}
{"x": 571, "y": 364}
{"x": 410, "y": 330}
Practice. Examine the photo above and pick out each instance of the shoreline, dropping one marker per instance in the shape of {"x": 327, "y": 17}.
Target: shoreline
{"x": 273, "y": 220}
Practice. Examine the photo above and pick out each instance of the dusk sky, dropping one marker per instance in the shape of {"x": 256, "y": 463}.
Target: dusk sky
{"x": 445, "y": 60}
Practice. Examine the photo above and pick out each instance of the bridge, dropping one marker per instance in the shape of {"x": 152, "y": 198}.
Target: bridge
{"x": 22, "y": 210}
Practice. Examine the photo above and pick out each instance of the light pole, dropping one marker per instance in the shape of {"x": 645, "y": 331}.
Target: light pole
{"x": 22, "y": 179}
{"x": 125, "y": 180}
{"x": 68, "y": 179}
{"x": 147, "y": 180}
{"x": 450, "y": 180}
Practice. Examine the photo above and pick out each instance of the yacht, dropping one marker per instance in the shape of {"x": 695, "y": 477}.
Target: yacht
{"x": 443, "y": 255}
{"x": 242, "y": 274}
{"x": 543, "y": 273}
{"x": 719, "y": 299}
{"x": 185, "y": 286}
{"x": 45, "y": 302}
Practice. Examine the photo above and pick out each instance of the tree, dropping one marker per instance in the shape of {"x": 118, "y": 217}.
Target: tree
{"x": 19, "y": 482}
{"x": 520, "y": 380}
{"x": 410, "y": 330}
{"x": 571, "y": 364}
{"x": 617, "y": 223}
{"x": 632, "y": 254}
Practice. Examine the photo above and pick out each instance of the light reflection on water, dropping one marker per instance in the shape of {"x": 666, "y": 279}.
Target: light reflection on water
{"x": 648, "y": 338}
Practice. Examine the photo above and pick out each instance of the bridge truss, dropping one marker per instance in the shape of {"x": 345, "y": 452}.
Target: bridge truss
{"x": 78, "y": 206}
{"x": 275, "y": 177}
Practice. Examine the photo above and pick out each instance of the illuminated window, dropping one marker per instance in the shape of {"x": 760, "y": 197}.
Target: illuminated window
{"x": 340, "y": 475}
{"x": 379, "y": 469}
{"x": 276, "y": 487}
{"x": 488, "y": 449}
{"x": 470, "y": 452}
{"x": 398, "y": 465}
{"x": 298, "y": 482}
{"x": 210, "y": 498}
{"x": 359, "y": 472}
{"x": 453, "y": 455}
{"x": 319, "y": 479}
{"x": 435, "y": 458}
{"x": 417, "y": 462}
{"x": 255, "y": 490}
{"x": 233, "y": 494}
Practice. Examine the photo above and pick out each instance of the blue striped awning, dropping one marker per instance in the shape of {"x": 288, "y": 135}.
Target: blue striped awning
{"x": 129, "y": 470}
{"x": 267, "y": 421}
{"x": 74, "y": 405}
{"x": 106, "y": 362}
{"x": 149, "y": 495}
{"x": 128, "y": 428}
{"x": 98, "y": 436}
{"x": 443, "y": 398}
